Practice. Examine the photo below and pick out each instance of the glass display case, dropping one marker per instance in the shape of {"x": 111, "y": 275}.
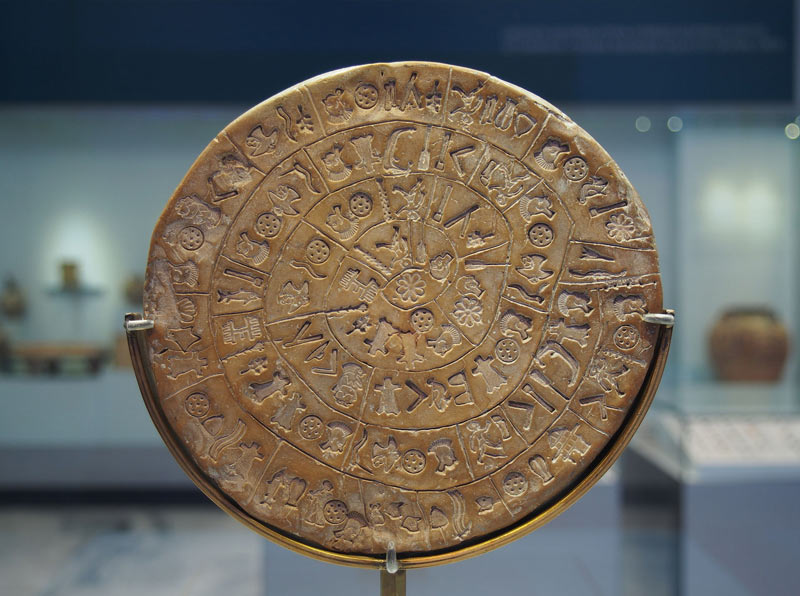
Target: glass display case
{"x": 720, "y": 457}
{"x": 723, "y": 436}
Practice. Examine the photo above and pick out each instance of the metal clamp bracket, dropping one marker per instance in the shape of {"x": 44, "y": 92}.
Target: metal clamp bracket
{"x": 666, "y": 318}
{"x": 133, "y": 322}
{"x": 393, "y": 579}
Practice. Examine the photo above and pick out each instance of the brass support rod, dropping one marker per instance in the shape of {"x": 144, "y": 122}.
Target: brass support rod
{"x": 393, "y": 584}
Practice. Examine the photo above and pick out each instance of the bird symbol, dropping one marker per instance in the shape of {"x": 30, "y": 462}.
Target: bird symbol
{"x": 294, "y": 297}
{"x": 282, "y": 198}
{"x": 532, "y": 268}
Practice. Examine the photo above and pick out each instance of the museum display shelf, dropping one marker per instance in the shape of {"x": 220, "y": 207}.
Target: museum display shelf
{"x": 731, "y": 458}
{"x": 728, "y": 433}
{"x": 81, "y": 432}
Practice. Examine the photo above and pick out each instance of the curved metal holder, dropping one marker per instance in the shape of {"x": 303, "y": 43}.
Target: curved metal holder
{"x": 392, "y": 567}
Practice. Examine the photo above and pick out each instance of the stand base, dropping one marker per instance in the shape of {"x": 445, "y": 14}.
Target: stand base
{"x": 393, "y": 584}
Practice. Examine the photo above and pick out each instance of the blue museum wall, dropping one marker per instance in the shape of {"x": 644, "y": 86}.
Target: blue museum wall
{"x": 102, "y": 112}
{"x": 86, "y": 184}
{"x": 239, "y": 50}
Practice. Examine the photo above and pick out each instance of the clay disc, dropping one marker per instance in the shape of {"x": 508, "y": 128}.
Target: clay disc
{"x": 399, "y": 302}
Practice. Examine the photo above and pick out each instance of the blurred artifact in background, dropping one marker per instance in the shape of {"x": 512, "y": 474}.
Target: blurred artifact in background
{"x": 12, "y": 300}
{"x": 70, "y": 276}
{"x": 749, "y": 344}
{"x": 5, "y": 351}
{"x": 134, "y": 289}
{"x": 400, "y": 303}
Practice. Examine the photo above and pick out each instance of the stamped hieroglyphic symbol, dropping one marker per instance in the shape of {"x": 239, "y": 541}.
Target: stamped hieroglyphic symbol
{"x": 248, "y": 330}
{"x": 191, "y": 238}
{"x": 410, "y": 287}
{"x": 366, "y": 291}
{"x": 257, "y": 252}
{"x": 540, "y": 468}
{"x": 440, "y": 265}
{"x": 294, "y": 297}
{"x": 567, "y": 444}
{"x": 338, "y": 106}
{"x": 295, "y": 125}
{"x": 493, "y": 377}
{"x": 446, "y": 458}
{"x": 335, "y": 512}
{"x": 336, "y": 437}
{"x": 261, "y": 142}
{"x": 290, "y": 406}
{"x": 627, "y": 306}
{"x": 361, "y": 204}
{"x": 531, "y": 205}
{"x": 486, "y": 439}
{"x": 422, "y": 320}
{"x": 485, "y": 504}
{"x": 468, "y": 311}
{"x": 337, "y": 169}
{"x": 366, "y": 96}
{"x": 626, "y": 337}
{"x": 349, "y": 385}
{"x": 507, "y": 350}
{"x": 414, "y": 461}
{"x": 345, "y": 225}
{"x": 387, "y": 400}
{"x": 197, "y": 405}
{"x": 318, "y": 251}
{"x": 550, "y": 152}
{"x": 233, "y": 175}
{"x": 400, "y": 302}
{"x": 268, "y": 224}
{"x": 620, "y": 227}
{"x": 515, "y": 484}
{"x": 387, "y": 456}
{"x": 533, "y": 268}
{"x": 576, "y": 168}
{"x": 541, "y": 235}
{"x": 606, "y": 374}
{"x": 283, "y": 198}
{"x": 446, "y": 341}
{"x": 513, "y": 324}
{"x": 282, "y": 492}
{"x": 310, "y": 427}
{"x": 505, "y": 181}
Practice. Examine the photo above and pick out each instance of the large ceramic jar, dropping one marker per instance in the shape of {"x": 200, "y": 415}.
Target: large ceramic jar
{"x": 749, "y": 344}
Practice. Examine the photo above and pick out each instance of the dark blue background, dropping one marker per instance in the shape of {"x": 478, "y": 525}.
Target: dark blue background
{"x": 123, "y": 51}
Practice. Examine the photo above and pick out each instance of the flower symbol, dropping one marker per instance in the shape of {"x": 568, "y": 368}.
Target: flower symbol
{"x": 410, "y": 286}
{"x": 620, "y": 227}
{"x": 468, "y": 311}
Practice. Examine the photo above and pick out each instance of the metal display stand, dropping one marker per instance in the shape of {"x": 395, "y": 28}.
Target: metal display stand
{"x": 392, "y": 576}
{"x": 393, "y": 579}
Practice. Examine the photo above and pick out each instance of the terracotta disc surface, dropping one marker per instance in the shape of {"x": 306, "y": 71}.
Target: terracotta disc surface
{"x": 400, "y": 302}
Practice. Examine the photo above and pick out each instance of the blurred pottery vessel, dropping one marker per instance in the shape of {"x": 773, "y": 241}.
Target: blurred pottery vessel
{"x": 69, "y": 276}
{"x": 749, "y": 344}
{"x": 134, "y": 290}
{"x": 12, "y": 300}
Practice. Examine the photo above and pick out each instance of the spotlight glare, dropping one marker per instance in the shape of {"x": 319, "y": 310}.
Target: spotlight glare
{"x": 643, "y": 124}
{"x": 674, "y": 124}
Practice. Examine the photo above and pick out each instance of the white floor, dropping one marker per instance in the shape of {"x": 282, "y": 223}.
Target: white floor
{"x": 141, "y": 552}
{"x": 200, "y": 551}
